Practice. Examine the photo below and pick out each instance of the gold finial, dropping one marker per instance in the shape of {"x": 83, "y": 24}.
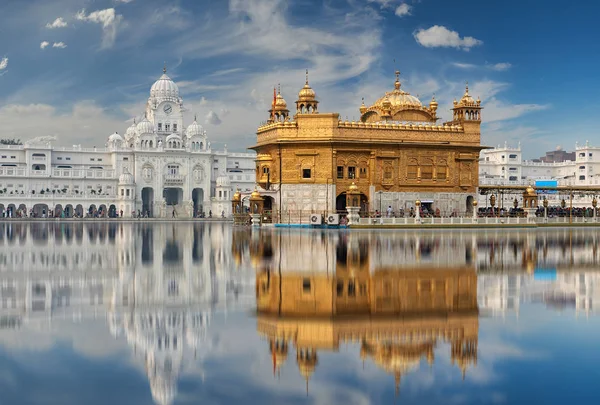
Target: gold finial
{"x": 306, "y": 76}
{"x": 133, "y": 120}
{"x": 467, "y": 88}
{"x": 397, "y": 82}
{"x": 194, "y": 117}
{"x": 165, "y": 67}
{"x": 278, "y": 88}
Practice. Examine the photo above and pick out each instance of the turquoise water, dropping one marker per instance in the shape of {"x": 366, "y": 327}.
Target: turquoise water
{"x": 211, "y": 314}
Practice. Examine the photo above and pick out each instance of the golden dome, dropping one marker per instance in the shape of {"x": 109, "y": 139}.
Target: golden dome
{"x": 433, "y": 104}
{"x": 237, "y": 196}
{"x": 353, "y": 188}
{"x": 466, "y": 99}
{"x": 530, "y": 190}
{"x": 306, "y": 93}
{"x": 255, "y": 195}
{"x": 363, "y": 107}
{"x": 397, "y": 97}
{"x": 280, "y": 103}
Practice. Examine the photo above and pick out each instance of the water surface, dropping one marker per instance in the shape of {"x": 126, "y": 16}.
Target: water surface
{"x": 214, "y": 314}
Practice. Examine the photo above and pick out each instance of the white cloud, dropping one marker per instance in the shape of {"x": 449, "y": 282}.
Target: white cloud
{"x": 61, "y": 45}
{"x": 464, "y": 65}
{"x": 58, "y": 23}
{"x": 382, "y": 3}
{"x": 44, "y": 44}
{"x": 440, "y": 36}
{"x": 402, "y": 10}
{"x": 3, "y": 63}
{"x": 123, "y": 1}
{"x": 109, "y": 20}
{"x": 500, "y": 67}
{"x": 212, "y": 118}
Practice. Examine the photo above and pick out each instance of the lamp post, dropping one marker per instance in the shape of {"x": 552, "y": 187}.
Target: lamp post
{"x": 474, "y": 210}
{"x": 545, "y": 209}
{"x": 418, "y": 212}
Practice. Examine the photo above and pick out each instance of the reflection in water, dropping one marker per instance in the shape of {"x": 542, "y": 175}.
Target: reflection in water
{"x": 397, "y": 313}
{"x": 161, "y": 303}
{"x": 390, "y": 298}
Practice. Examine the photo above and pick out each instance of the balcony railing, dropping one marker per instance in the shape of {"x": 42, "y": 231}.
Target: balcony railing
{"x": 62, "y": 173}
{"x": 174, "y": 179}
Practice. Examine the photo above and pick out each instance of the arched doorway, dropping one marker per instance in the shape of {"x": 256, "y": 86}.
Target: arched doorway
{"x": 112, "y": 211}
{"x": 58, "y": 209}
{"x": 198, "y": 199}
{"x": 102, "y": 210}
{"x": 340, "y": 204}
{"x": 173, "y": 196}
{"x": 40, "y": 210}
{"x": 147, "y": 201}
{"x": 469, "y": 204}
{"x": 22, "y": 210}
{"x": 79, "y": 210}
{"x": 92, "y": 210}
{"x": 68, "y": 211}
{"x": 11, "y": 211}
{"x": 2, "y": 209}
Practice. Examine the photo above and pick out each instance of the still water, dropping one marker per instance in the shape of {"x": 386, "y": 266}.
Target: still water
{"x": 212, "y": 314}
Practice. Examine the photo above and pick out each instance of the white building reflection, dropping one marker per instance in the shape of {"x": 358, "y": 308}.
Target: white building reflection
{"x": 156, "y": 285}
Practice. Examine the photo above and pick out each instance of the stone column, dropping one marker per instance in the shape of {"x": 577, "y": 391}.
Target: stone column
{"x": 594, "y": 204}
{"x": 353, "y": 204}
{"x": 474, "y": 211}
{"x": 545, "y": 203}
{"x": 353, "y": 217}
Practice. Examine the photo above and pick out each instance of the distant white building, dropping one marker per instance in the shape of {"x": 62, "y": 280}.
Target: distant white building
{"x": 504, "y": 165}
{"x": 156, "y": 166}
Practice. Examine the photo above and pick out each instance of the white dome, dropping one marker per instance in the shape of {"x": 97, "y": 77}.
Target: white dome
{"x": 164, "y": 87}
{"x": 223, "y": 181}
{"x": 194, "y": 129}
{"x": 126, "y": 178}
{"x": 145, "y": 127}
{"x": 130, "y": 133}
{"x": 115, "y": 138}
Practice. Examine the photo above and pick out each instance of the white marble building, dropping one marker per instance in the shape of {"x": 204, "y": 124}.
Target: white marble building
{"x": 156, "y": 166}
{"x": 504, "y": 165}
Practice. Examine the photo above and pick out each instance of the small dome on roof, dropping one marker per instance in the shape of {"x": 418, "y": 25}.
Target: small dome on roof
{"x": 131, "y": 131}
{"x": 115, "y": 138}
{"x": 145, "y": 127}
{"x": 194, "y": 129}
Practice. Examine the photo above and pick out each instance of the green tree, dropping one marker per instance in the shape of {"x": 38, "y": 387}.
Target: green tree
{"x": 10, "y": 142}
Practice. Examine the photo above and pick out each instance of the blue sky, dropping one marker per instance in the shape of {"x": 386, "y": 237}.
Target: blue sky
{"x": 81, "y": 70}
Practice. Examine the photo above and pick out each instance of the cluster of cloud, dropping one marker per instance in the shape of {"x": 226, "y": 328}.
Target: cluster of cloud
{"x": 400, "y": 10}
{"x": 108, "y": 18}
{"x": 60, "y": 45}
{"x": 58, "y": 23}
{"x": 439, "y": 36}
{"x": 3, "y": 63}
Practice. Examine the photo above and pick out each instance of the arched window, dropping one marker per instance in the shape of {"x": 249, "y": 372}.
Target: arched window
{"x": 441, "y": 170}
{"x": 427, "y": 169}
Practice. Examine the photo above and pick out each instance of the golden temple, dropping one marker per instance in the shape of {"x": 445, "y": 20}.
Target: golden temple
{"x": 397, "y": 151}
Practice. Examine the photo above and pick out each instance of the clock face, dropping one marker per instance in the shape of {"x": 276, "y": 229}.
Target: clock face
{"x": 168, "y": 109}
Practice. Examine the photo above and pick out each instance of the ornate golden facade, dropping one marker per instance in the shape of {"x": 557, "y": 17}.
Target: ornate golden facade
{"x": 397, "y": 147}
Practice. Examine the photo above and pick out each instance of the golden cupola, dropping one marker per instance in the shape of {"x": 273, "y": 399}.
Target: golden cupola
{"x": 467, "y": 109}
{"x": 397, "y": 105}
{"x": 279, "y": 110}
{"x": 307, "y": 99}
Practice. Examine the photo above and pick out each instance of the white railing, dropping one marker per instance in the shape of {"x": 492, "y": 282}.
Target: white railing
{"x": 50, "y": 196}
{"x": 11, "y": 171}
{"x": 38, "y": 173}
{"x": 174, "y": 178}
{"x": 481, "y": 220}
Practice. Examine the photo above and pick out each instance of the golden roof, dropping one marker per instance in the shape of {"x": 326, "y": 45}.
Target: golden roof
{"x": 237, "y": 196}
{"x": 306, "y": 93}
{"x": 467, "y": 100}
{"x": 397, "y": 97}
{"x": 353, "y": 188}
{"x": 530, "y": 190}
{"x": 255, "y": 195}
{"x": 280, "y": 103}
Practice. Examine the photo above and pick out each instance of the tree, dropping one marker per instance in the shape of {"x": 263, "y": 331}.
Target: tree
{"x": 10, "y": 142}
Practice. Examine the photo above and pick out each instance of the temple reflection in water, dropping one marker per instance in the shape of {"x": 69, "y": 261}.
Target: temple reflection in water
{"x": 396, "y": 298}
{"x": 351, "y": 291}
{"x": 156, "y": 285}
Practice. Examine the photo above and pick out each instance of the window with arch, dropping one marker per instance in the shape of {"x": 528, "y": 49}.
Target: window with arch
{"x": 441, "y": 170}
{"x": 427, "y": 170}
{"x": 198, "y": 173}
{"x": 173, "y": 169}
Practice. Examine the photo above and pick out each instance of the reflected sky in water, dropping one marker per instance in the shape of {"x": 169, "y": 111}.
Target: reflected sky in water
{"x": 211, "y": 314}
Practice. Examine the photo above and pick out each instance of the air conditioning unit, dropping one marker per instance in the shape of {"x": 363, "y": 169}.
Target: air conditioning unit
{"x": 333, "y": 219}
{"x": 315, "y": 219}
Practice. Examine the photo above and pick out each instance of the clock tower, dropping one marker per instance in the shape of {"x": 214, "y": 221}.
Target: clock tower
{"x": 165, "y": 108}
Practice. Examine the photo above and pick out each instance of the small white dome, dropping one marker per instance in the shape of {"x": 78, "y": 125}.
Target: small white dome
{"x": 115, "y": 138}
{"x": 145, "y": 127}
{"x": 194, "y": 129}
{"x": 164, "y": 87}
{"x": 126, "y": 177}
{"x": 130, "y": 133}
{"x": 223, "y": 181}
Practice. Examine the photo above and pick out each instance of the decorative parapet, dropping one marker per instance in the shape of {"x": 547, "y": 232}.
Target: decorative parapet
{"x": 407, "y": 126}
{"x": 272, "y": 125}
